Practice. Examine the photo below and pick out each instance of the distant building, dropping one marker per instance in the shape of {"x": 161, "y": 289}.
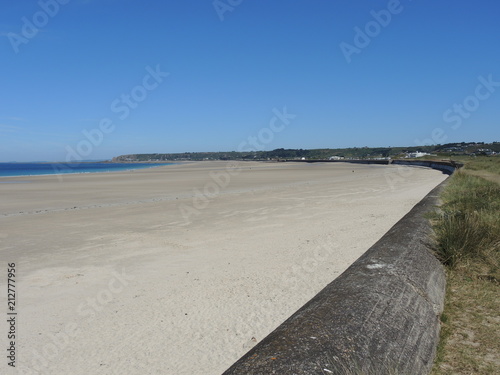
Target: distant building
{"x": 454, "y": 149}
{"x": 335, "y": 157}
{"x": 485, "y": 151}
{"x": 417, "y": 154}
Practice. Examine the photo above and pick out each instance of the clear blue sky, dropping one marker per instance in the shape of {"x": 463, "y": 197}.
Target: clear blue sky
{"x": 228, "y": 71}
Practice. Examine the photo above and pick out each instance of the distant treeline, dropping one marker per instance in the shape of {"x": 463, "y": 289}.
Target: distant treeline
{"x": 323, "y": 153}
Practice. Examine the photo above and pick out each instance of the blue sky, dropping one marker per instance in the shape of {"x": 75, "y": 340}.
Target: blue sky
{"x": 422, "y": 71}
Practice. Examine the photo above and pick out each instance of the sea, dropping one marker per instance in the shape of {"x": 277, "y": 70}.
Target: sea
{"x": 36, "y": 169}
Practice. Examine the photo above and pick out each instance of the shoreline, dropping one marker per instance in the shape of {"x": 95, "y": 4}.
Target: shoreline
{"x": 89, "y": 172}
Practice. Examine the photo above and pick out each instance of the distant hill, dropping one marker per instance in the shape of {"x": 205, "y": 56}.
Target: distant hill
{"x": 449, "y": 149}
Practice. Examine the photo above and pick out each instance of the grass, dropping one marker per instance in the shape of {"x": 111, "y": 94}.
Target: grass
{"x": 468, "y": 227}
{"x": 484, "y": 163}
{"x": 468, "y": 243}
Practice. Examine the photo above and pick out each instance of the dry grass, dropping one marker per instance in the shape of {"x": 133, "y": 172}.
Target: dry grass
{"x": 468, "y": 237}
{"x": 484, "y": 164}
{"x": 470, "y": 332}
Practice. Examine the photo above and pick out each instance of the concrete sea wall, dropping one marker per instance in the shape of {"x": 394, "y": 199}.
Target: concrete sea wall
{"x": 381, "y": 316}
{"x": 445, "y": 166}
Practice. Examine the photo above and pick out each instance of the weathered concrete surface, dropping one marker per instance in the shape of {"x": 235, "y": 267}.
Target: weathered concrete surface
{"x": 380, "y": 316}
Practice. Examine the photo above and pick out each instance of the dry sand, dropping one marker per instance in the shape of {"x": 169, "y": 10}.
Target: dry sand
{"x": 142, "y": 272}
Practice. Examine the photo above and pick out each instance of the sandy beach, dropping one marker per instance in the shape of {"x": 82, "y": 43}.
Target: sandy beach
{"x": 181, "y": 269}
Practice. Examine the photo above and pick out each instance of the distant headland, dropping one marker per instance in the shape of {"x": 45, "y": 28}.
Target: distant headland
{"x": 376, "y": 153}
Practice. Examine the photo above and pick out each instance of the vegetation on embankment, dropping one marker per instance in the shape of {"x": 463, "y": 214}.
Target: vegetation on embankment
{"x": 468, "y": 243}
{"x": 250, "y": 152}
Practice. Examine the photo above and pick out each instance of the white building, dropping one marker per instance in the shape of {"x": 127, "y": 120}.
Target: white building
{"x": 417, "y": 154}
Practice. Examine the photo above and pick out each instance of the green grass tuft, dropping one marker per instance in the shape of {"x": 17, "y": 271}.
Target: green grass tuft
{"x": 468, "y": 228}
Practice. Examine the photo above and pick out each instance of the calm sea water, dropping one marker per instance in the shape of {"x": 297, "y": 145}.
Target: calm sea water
{"x": 33, "y": 169}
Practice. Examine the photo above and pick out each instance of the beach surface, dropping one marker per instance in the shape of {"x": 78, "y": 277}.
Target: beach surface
{"x": 182, "y": 269}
